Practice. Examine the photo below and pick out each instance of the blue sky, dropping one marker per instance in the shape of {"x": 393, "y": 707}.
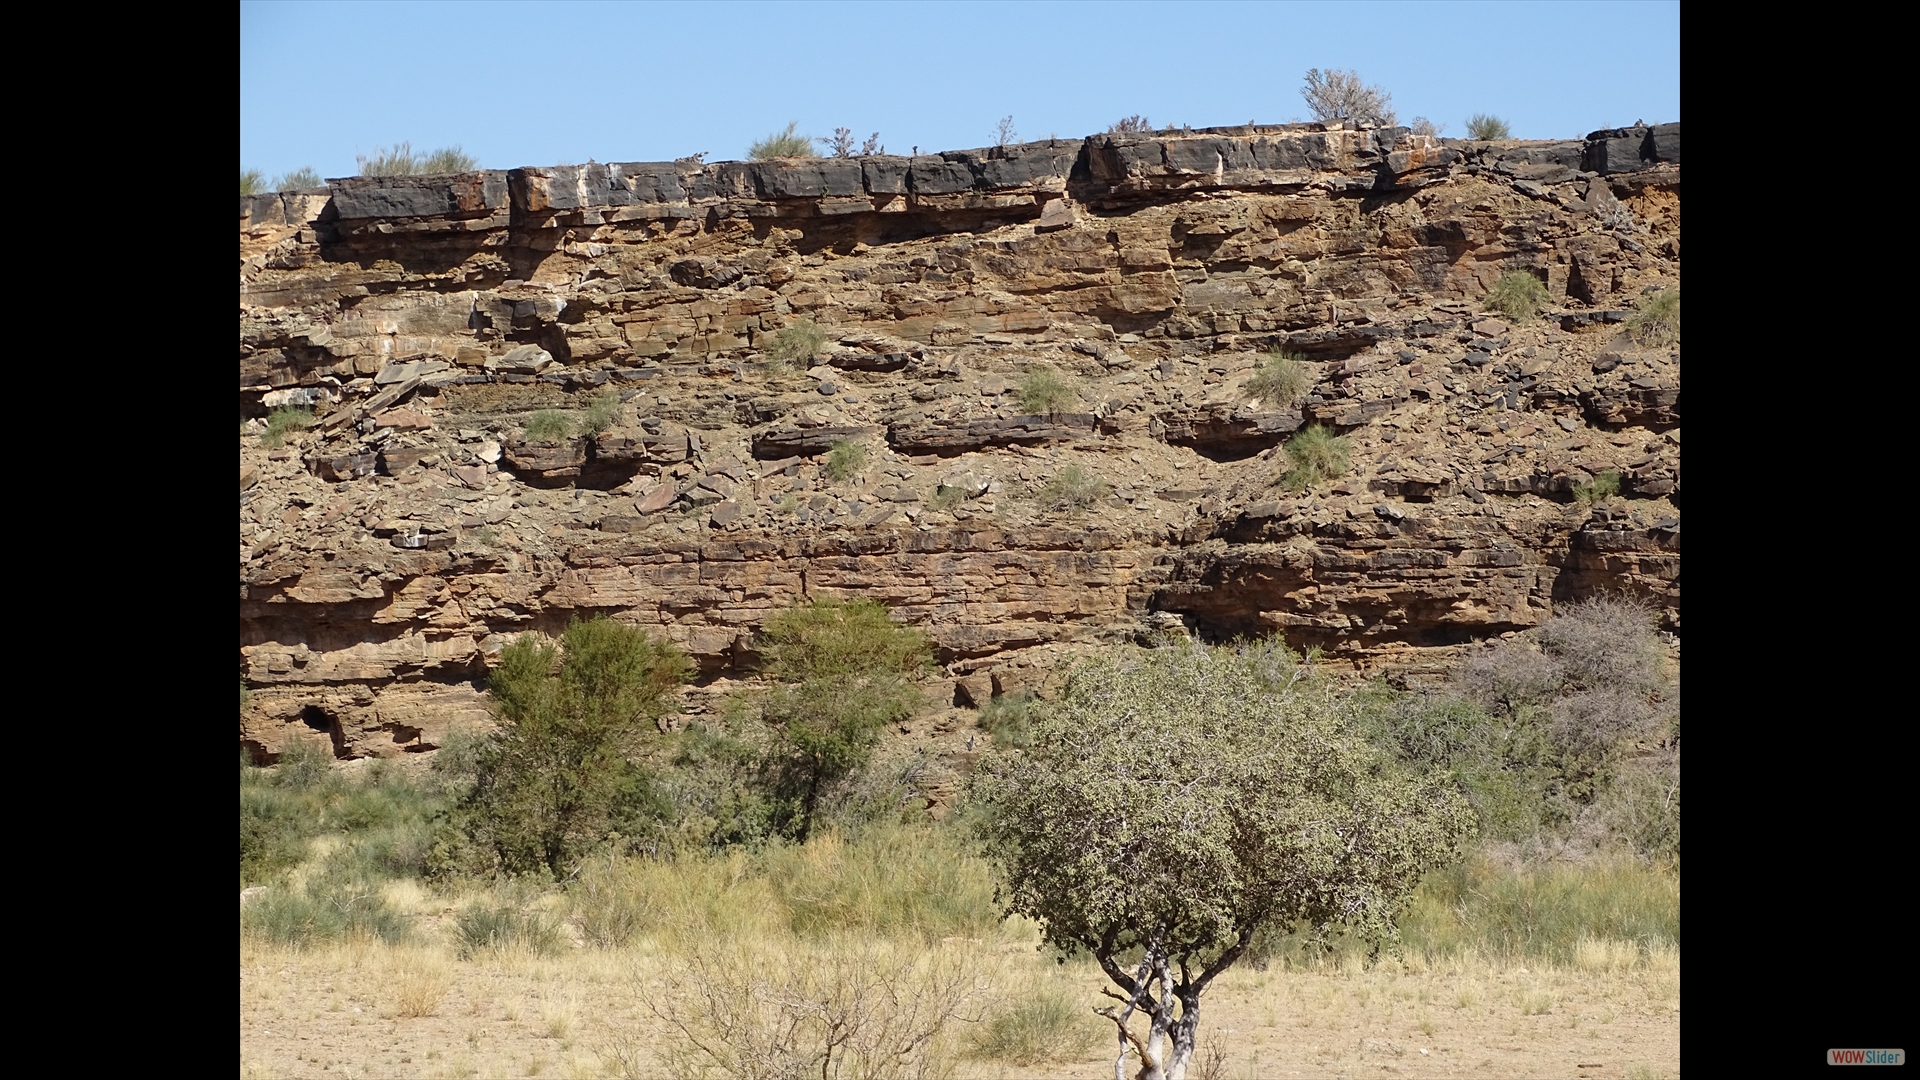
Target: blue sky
{"x": 550, "y": 83}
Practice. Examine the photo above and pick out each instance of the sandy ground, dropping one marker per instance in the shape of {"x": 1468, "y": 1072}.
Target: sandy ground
{"x": 367, "y": 1010}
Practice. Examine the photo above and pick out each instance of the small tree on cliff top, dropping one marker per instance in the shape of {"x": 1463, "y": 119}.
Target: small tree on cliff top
{"x": 1175, "y": 802}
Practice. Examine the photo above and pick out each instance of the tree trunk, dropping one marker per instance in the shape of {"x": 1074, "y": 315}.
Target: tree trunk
{"x": 1183, "y": 1036}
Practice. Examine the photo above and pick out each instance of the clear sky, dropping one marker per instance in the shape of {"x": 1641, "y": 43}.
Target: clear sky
{"x": 551, "y": 83}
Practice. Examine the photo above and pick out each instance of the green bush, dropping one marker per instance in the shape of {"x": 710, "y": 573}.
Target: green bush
{"x": 1485, "y": 127}
{"x": 1518, "y": 295}
{"x": 548, "y": 425}
{"x": 782, "y": 144}
{"x": 602, "y": 413}
{"x": 846, "y": 670}
{"x": 945, "y": 499}
{"x": 796, "y": 342}
{"x": 1072, "y": 489}
{"x": 1044, "y": 390}
{"x": 402, "y": 161}
{"x": 306, "y": 176}
{"x": 1600, "y": 488}
{"x": 252, "y": 181}
{"x": 323, "y": 910}
{"x": 559, "y": 780}
{"x": 1657, "y": 323}
{"x": 846, "y": 460}
{"x": 281, "y": 421}
{"x": 1281, "y": 380}
{"x": 1313, "y": 455}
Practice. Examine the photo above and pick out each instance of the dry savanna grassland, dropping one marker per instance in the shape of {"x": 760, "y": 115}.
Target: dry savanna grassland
{"x": 584, "y": 892}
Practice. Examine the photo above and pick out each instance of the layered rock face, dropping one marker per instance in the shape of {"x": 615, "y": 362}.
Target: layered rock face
{"x": 388, "y": 552}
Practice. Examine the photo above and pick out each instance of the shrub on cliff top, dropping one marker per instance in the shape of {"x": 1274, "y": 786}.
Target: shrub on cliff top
{"x": 252, "y": 181}
{"x": 306, "y": 176}
{"x": 1486, "y": 127}
{"x": 402, "y": 161}
{"x": 782, "y": 144}
{"x": 1340, "y": 95}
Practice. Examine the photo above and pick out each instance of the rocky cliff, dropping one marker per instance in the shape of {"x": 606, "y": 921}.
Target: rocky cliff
{"x": 390, "y": 550}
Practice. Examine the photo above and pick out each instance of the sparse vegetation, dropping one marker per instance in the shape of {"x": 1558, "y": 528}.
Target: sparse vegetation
{"x": 304, "y": 177}
{"x": 1008, "y": 718}
{"x": 1486, "y": 127}
{"x": 283, "y": 421}
{"x": 1003, "y": 133}
{"x": 782, "y": 144}
{"x": 846, "y": 460}
{"x": 1314, "y": 455}
{"x": 1519, "y": 296}
{"x": 1423, "y": 126}
{"x": 1072, "y": 489}
{"x": 1600, "y": 488}
{"x": 1341, "y": 95}
{"x": 400, "y": 160}
{"x": 1131, "y": 125}
{"x": 1280, "y": 380}
{"x": 1657, "y": 323}
{"x": 842, "y": 144}
{"x": 1045, "y": 390}
{"x": 602, "y": 413}
{"x": 945, "y": 499}
{"x": 548, "y": 426}
{"x": 492, "y": 927}
{"x": 252, "y": 181}
{"x": 797, "y": 342}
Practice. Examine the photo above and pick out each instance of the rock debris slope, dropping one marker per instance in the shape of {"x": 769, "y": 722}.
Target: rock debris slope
{"x": 391, "y": 549}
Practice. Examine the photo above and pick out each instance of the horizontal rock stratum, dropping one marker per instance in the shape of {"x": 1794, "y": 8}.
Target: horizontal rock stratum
{"x": 389, "y": 551}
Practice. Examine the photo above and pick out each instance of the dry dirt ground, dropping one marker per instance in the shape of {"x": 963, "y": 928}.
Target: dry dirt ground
{"x": 368, "y": 1010}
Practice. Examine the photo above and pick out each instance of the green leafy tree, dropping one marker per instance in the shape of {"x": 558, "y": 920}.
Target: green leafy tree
{"x": 559, "y": 780}
{"x": 846, "y": 670}
{"x": 1174, "y": 803}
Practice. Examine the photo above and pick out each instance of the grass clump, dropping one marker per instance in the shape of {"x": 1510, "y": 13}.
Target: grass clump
{"x": 548, "y": 425}
{"x": 1072, "y": 489}
{"x": 1280, "y": 380}
{"x": 1040, "y": 1023}
{"x": 846, "y": 460}
{"x": 1315, "y": 454}
{"x": 306, "y": 176}
{"x": 1657, "y": 322}
{"x": 282, "y": 421}
{"x": 782, "y": 144}
{"x": 1598, "y": 489}
{"x": 1518, "y": 295}
{"x": 1044, "y": 390}
{"x": 796, "y": 342}
{"x": 602, "y": 413}
{"x": 1009, "y": 719}
{"x": 1486, "y": 127}
{"x": 945, "y": 499}
{"x": 483, "y": 927}
{"x": 402, "y": 161}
